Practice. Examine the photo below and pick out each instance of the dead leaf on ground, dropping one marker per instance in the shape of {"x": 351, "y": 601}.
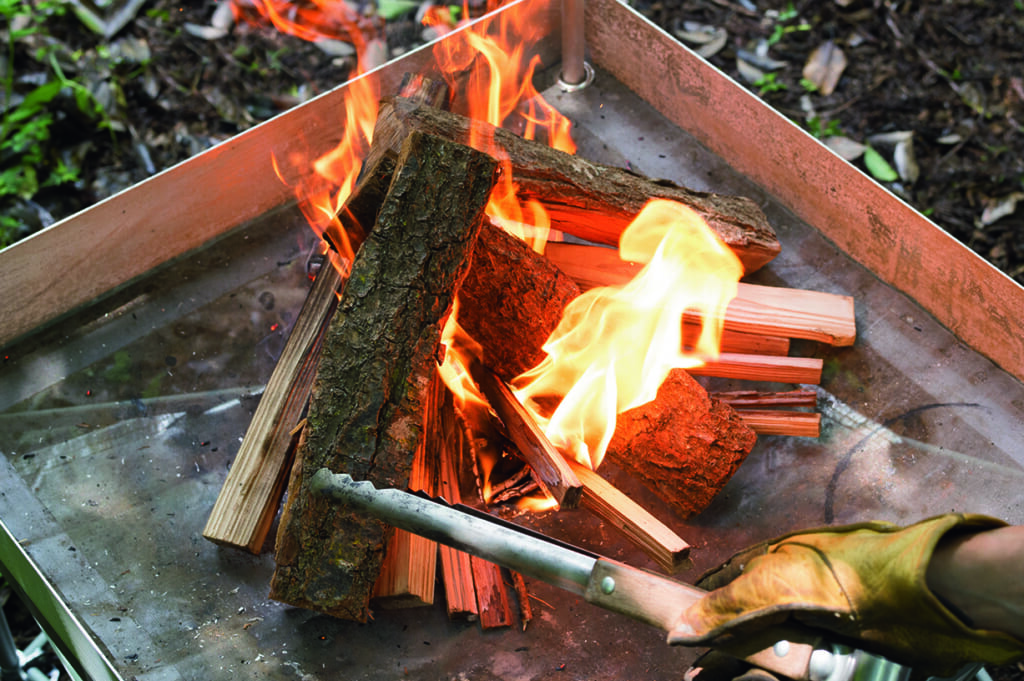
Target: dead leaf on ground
{"x": 825, "y": 66}
{"x": 996, "y": 209}
{"x": 749, "y": 72}
{"x": 848, "y": 149}
{"x": 711, "y": 39}
{"x": 906, "y": 161}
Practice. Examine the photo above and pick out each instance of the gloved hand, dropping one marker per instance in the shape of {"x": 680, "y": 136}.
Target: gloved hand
{"x": 864, "y": 582}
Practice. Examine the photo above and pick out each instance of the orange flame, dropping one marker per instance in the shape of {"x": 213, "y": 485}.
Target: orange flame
{"x": 499, "y": 90}
{"x": 322, "y": 193}
{"x": 615, "y": 345}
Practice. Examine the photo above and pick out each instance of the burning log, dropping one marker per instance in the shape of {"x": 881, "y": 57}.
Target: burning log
{"x": 589, "y": 200}
{"x": 251, "y": 494}
{"x": 683, "y": 446}
{"x": 511, "y": 301}
{"x": 599, "y": 496}
{"x": 379, "y": 355}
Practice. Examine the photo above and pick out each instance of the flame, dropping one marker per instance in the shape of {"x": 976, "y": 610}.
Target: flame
{"x": 615, "y": 345}
{"x": 499, "y": 90}
{"x": 322, "y": 193}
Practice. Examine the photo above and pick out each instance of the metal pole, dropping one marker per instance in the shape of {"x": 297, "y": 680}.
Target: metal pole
{"x": 576, "y": 72}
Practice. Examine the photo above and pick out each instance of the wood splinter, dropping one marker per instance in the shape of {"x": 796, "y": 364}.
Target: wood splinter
{"x": 550, "y": 468}
{"x": 597, "y": 495}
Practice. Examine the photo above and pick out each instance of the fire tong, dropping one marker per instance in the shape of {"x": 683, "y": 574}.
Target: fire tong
{"x": 792, "y": 652}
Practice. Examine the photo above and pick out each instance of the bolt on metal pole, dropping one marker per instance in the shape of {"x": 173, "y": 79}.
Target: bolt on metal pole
{"x": 576, "y": 72}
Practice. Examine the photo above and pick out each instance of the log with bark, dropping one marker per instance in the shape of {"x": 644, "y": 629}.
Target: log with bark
{"x": 379, "y": 356}
{"x": 511, "y": 301}
{"x": 683, "y": 446}
{"x": 589, "y": 200}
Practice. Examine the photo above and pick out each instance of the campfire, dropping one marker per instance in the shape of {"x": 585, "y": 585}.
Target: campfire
{"x": 474, "y": 334}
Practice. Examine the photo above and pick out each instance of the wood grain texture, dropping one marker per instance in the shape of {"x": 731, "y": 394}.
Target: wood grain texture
{"x": 591, "y": 200}
{"x": 379, "y": 356}
{"x": 251, "y": 494}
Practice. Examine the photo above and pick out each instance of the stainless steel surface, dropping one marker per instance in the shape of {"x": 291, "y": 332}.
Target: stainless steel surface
{"x": 112, "y": 459}
{"x": 73, "y": 643}
{"x": 574, "y": 72}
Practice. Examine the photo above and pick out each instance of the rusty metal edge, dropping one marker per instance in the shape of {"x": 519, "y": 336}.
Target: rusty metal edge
{"x": 105, "y": 247}
{"x": 970, "y": 297}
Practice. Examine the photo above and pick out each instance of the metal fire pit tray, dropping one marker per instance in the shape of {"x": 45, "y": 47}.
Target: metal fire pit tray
{"x": 119, "y": 420}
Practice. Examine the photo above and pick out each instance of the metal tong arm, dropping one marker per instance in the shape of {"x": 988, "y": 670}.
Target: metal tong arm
{"x": 615, "y": 586}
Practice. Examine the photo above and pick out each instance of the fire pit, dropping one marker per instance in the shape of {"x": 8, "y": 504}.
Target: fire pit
{"x": 120, "y": 425}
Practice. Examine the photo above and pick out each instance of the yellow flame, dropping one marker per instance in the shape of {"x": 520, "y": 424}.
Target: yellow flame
{"x": 615, "y": 345}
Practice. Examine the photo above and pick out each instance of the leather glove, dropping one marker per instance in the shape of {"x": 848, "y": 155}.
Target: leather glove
{"x": 864, "y": 582}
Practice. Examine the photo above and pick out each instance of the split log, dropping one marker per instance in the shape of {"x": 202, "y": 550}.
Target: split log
{"x": 683, "y": 446}
{"x": 763, "y": 368}
{"x": 456, "y": 567}
{"x": 665, "y": 547}
{"x": 589, "y": 200}
{"x": 511, "y": 301}
{"x": 551, "y": 471}
{"x": 251, "y": 494}
{"x": 763, "y": 310}
{"x": 379, "y": 355}
{"x": 755, "y": 399}
{"x": 778, "y": 422}
{"x": 492, "y": 598}
{"x": 408, "y": 572}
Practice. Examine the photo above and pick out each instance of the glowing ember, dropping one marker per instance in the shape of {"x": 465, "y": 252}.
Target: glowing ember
{"x": 615, "y": 345}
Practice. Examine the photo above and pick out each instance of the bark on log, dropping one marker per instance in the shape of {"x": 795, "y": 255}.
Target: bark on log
{"x": 683, "y": 446}
{"x": 378, "y": 358}
{"x": 590, "y": 200}
{"x": 511, "y": 301}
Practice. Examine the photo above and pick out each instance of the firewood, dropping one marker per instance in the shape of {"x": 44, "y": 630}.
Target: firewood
{"x": 755, "y": 399}
{"x": 656, "y": 539}
{"x": 683, "y": 446}
{"x": 379, "y": 355}
{"x": 456, "y": 568}
{"x": 756, "y": 309}
{"x": 511, "y": 301}
{"x": 778, "y": 422}
{"x": 251, "y": 494}
{"x": 408, "y": 572}
{"x": 598, "y": 495}
{"x": 763, "y": 368}
{"x": 550, "y": 469}
{"x": 492, "y": 598}
{"x": 523, "y": 596}
{"x": 589, "y": 200}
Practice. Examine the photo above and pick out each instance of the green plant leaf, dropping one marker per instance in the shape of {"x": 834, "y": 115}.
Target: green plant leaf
{"x": 878, "y": 166}
{"x": 392, "y": 9}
